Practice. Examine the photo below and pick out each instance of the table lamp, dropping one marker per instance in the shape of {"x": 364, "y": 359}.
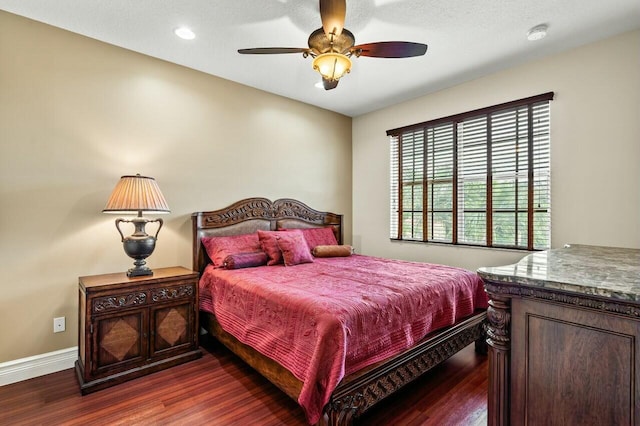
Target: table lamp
{"x": 135, "y": 195}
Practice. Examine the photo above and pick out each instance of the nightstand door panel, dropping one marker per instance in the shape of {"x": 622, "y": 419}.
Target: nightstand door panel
{"x": 171, "y": 328}
{"x": 120, "y": 341}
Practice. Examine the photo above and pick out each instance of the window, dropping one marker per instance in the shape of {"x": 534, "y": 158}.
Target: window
{"x": 476, "y": 178}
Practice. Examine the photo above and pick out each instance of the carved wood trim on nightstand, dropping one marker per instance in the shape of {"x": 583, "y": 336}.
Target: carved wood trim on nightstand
{"x": 171, "y": 293}
{"x": 103, "y": 304}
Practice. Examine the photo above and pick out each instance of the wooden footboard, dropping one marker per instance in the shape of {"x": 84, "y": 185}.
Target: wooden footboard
{"x": 360, "y": 391}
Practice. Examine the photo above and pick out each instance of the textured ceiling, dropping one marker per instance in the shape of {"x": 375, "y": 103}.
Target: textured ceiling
{"x": 467, "y": 39}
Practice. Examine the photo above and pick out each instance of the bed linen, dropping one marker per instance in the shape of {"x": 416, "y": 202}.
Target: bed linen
{"x": 330, "y": 318}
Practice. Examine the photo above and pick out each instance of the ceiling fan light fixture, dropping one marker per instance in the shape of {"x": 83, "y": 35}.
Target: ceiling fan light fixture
{"x": 331, "y": 65}
{"x": 333, "y": 46}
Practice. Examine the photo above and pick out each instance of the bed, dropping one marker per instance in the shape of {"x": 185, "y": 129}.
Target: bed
{"x": 358, "y": 385}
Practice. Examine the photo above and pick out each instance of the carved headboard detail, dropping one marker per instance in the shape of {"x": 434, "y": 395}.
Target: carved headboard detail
{"x": 251, "y": 214}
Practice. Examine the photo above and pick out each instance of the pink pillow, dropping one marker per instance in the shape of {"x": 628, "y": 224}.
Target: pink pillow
{"x": 269, "y": 245}
{"x": 318, "y": 236}
{"x": 294, "y": 248}
{"x": 218, "y": 248}
{"x": 245, "y": 260}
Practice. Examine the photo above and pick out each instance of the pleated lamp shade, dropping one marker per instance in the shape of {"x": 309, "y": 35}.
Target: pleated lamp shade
{"x": 136, "y": 194}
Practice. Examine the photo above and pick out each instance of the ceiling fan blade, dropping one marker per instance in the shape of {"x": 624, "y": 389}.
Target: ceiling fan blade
{"x": 273, "y": 50}
{"x": 329, "y": 84}
{"x": 332, "y": 13}
{"x": 390, "y": 49}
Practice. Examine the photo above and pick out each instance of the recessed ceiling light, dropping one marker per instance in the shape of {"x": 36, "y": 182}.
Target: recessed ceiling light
{"x": 538, "y": 32}
{"x": 185, "y": 33}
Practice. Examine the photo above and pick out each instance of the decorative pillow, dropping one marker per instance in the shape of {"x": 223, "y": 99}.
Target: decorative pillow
{"x": 269, "y": 245}
{"x": 318, "y": 236}
{"x": 245, "y": 260}
{"x": 294, "y": 248}
{"x": 332, "y": 251}
{"x": 218, "y": 248}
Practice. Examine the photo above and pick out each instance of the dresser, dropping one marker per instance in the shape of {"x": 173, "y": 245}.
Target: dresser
{"x": 564, "y": 338}
{"x": 129, "y": 327}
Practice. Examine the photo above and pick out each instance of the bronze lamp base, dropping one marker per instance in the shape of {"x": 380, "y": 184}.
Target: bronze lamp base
{"x": 139, "y": 245}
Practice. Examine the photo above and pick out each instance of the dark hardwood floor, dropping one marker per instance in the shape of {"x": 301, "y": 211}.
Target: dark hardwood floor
{"x": 219, "y": 389}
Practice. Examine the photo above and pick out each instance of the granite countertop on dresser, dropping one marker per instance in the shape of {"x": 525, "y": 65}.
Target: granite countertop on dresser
{"x": 610, "y": 272}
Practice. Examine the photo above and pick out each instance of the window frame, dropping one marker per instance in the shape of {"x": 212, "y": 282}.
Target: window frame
{"x": 427, "y": 176}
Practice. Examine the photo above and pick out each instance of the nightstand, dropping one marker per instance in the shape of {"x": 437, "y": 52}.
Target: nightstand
{"x": 129, "y": 327}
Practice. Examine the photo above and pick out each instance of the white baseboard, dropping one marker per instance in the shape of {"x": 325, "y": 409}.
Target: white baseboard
{"x": 38, "y": 365}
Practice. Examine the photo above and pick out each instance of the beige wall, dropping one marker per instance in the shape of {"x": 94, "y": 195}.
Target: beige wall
{"x": 595, "y": 148}
{"x": 76, "y": 114}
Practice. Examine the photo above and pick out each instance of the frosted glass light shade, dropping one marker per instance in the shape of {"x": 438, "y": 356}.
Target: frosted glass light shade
{"x": 331, "y": 65}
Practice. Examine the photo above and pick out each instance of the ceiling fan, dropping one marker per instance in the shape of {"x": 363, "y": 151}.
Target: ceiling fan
{"x": 332, "y": 46}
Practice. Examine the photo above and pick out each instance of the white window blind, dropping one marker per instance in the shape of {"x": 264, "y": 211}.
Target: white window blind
{"x": 440, "y": 184}
{"x": 472, "y": 181}
{"x": 476, "y": 178}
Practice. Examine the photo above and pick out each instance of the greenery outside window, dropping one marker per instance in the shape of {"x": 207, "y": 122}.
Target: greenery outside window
{"x": 477, "y": 178}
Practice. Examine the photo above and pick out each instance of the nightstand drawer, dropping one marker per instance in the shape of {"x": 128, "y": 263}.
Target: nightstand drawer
{"x": 164, "y": 294}
{"x": 119, "y": 301}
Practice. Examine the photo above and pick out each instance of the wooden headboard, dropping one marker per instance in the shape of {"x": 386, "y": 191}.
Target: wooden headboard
{"x": 251, "y": 214}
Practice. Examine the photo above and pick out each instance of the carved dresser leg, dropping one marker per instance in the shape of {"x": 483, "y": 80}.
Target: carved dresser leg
{"x": 498, "y": 339}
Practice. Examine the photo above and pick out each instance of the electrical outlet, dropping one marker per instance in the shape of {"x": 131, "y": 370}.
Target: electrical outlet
{"x": 58, "y": 324}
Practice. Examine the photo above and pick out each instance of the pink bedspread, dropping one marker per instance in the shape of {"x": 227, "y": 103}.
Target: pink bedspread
{"x": 327, "y": 319}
